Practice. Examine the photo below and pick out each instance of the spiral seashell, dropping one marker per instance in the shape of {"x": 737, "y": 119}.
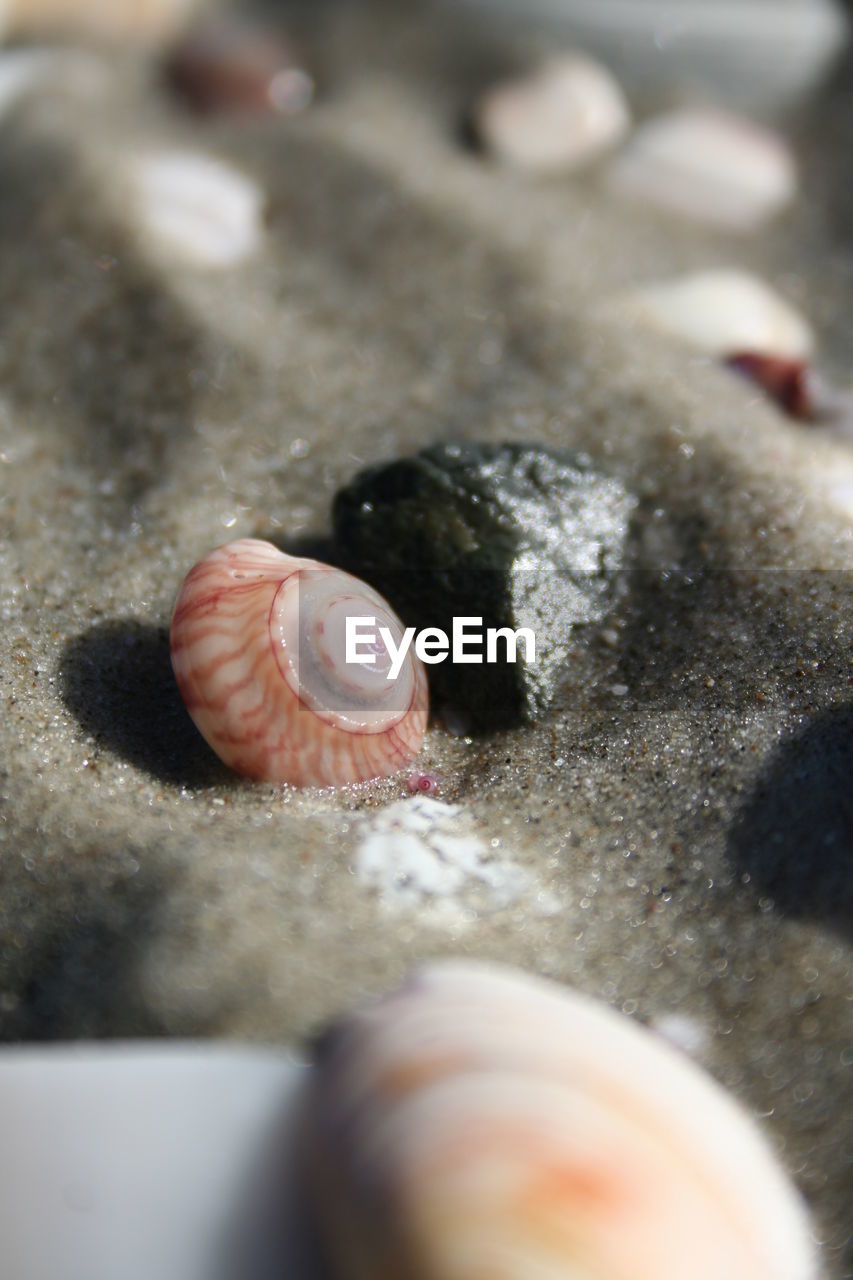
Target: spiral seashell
{"x": 482, "y": 1123}
{"x": 258, "y": 651}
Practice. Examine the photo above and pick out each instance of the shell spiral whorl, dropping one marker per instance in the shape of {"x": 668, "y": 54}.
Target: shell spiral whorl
{"x": 257, "y": 642}
{"x": 479, "y": 1122}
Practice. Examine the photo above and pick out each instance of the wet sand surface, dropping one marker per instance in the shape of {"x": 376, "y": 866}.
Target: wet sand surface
{"x": 675, "y": 837}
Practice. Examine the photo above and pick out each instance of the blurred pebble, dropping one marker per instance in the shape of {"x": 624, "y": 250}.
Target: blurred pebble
{"x": 722, "y": 313}
{"x": 784, "y": 380}
{"x": 197, "y": 209}
{"x": 122, "y": 21}
{"x": 563, "y": 114}
{"x": 241, "y": 68}
{"x": 709, "y": 167}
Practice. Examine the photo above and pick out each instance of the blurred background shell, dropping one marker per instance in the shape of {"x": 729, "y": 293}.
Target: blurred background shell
{"x": 756, "y": 55}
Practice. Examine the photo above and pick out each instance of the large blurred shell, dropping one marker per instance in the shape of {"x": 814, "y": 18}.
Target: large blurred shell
{"x": 480, "y": 1124}
{"x": 257, "y": 644}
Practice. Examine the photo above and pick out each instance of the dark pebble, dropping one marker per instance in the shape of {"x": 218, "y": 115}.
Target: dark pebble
{"x": 233, "y": 67}
{"x": 784, "y": 380}
{"x": 518, "y": 535}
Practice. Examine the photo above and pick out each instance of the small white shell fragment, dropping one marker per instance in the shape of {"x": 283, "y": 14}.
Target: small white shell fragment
{"x": 722, "y": 313}
{"x": 420, "y": 855}
{"x": 557, "y": 118}
{"x": 480, "y": 1122}
{"x": 709, "y": 167}
{"x": 197, "y": 209}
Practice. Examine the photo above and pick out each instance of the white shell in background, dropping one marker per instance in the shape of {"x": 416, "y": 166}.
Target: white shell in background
{"x": 429, "y": 858}
{"x": 757, "y": 54}
{"x": 196, "y": 209}
{"x": 560, "y": 116}
{"x": 722, "y": 313}
{"x": 479, "y": 1123}
{"x": 709, "y": 167}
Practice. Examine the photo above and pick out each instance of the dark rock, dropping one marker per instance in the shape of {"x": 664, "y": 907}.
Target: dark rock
{"x": 519, "y": 536}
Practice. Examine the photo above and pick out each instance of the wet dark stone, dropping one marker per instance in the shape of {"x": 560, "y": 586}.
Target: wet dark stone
{"x": 519, "y": 536}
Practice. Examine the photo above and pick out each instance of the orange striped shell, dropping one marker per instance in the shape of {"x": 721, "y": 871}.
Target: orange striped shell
{"x": 257, "y": 642}
{"x": 483, "y": 1124}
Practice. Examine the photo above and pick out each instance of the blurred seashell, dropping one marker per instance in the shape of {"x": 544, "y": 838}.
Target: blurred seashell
{"x": 785, "y": 381}
{"x": 125, "y": 21}
{"x": 258, "y": 643}
{"x": 479, "y": 1122}
{"x": 197, "y": 209}
{"x": 707, "y": 166}
{"x": 757, "y": 54}
{"x": 563, "y": 114}
{"x": 723, "y": 312}
{"x": 239, "y": 67}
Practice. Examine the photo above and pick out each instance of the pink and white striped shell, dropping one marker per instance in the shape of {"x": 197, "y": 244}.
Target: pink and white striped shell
{"x": 481, "y": 1124}
{"x": 258, "y": 651}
